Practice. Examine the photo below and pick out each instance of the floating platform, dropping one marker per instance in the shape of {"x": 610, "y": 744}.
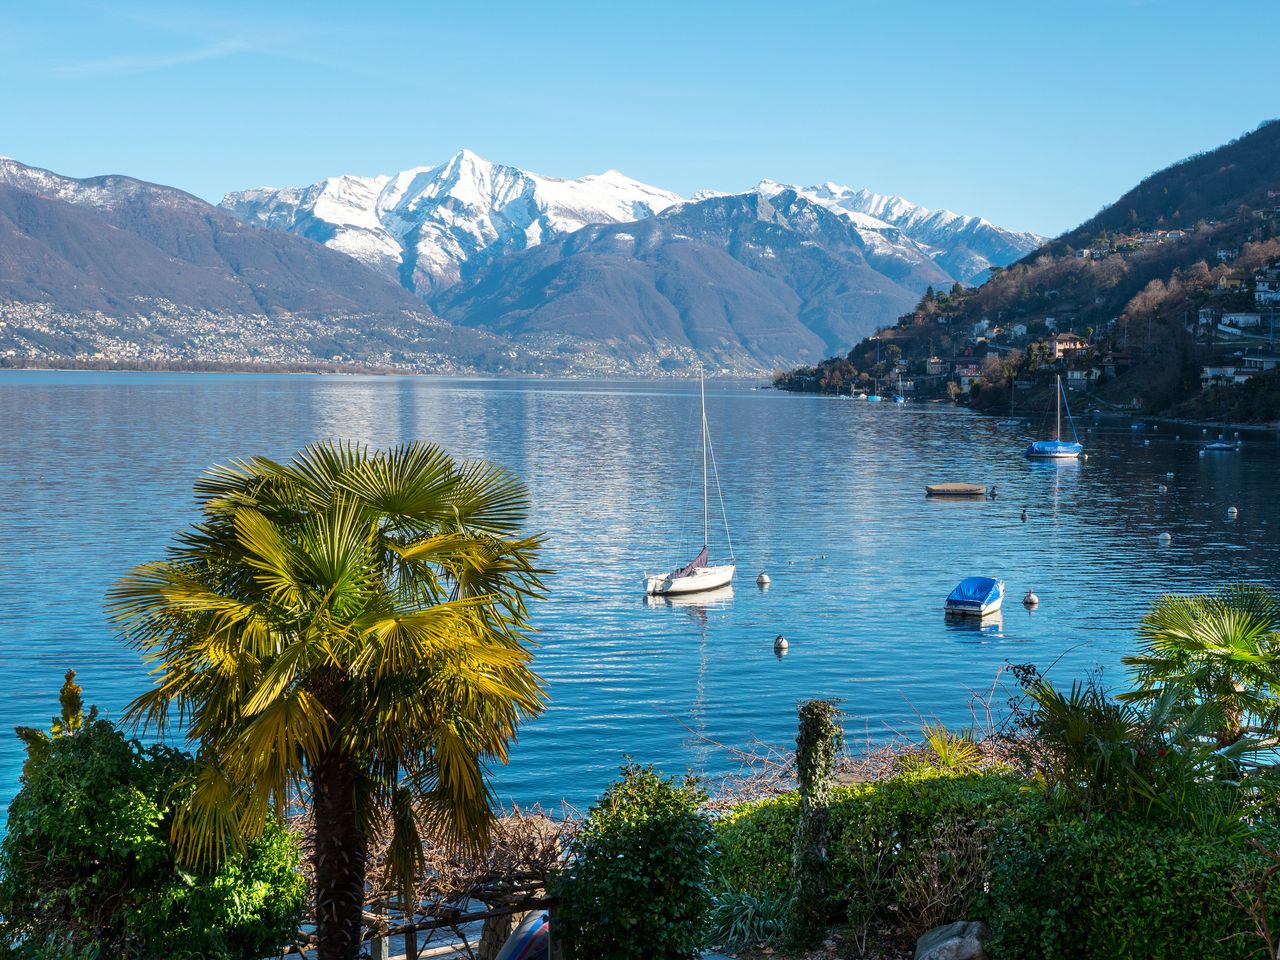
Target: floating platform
{"x": 956, "y": 490}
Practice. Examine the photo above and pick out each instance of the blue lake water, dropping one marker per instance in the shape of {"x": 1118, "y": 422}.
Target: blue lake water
{"x": 826, "y": 495}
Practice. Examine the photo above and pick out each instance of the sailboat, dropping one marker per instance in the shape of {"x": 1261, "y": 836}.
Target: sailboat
{"x": 1057, "y": 448}
{"x": 874, "y": 395}
{"x": 898, "y": 397}
{"x": 700, "y": 573}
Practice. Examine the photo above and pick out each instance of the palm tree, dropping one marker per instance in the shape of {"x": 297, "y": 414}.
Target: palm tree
{"x": 350, "y": 624}
{"x": 1220, "y": 651}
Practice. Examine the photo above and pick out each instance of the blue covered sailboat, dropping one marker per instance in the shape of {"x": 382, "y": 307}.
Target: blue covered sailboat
{"x": 1057, "y": 448}
{"x": 976, "y": 597}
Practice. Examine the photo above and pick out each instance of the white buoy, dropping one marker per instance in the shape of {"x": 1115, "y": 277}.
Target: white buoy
{"x": 1232, "y": 513}
{"x": 1202, "y": 453}
{"x": 780, "y": 645}
{"x": 1030, "y": 600}
{"x": 1162, "y": 489}
{"x": 1169, "y": 475}
{"x": 1084, "y": 456}
{"x": 1204, "y": 430}
{"x": 1146, "y": 443}
{"x": 1237, "y": 434}
{"x": 1165, "y": 537}
{"x": 763, "y": 580}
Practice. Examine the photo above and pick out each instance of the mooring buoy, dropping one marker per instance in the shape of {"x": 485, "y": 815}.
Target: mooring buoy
{"x": 1165, "y": 537}
{"x": 780, "y": 645}
{"x": 763, "y": 580}
{"x": 1232, "y": 513}
{"x": 1030, "y": 600}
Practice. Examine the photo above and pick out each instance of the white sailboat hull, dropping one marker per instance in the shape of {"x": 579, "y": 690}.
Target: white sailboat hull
{"x": 702, "y": 578}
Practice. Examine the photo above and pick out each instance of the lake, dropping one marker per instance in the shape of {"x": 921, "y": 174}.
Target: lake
{"x": 825, "y": 495}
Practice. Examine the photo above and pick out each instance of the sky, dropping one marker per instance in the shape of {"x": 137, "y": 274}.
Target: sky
{"x": 1033, "y": 115}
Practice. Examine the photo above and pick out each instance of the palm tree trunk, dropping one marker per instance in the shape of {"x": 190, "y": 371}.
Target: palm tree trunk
{"x": 341, "y": 849}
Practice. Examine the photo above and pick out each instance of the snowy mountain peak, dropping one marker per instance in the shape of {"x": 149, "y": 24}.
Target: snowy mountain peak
{"x": 425, "y": 225}
{"x": 966, "y": 246}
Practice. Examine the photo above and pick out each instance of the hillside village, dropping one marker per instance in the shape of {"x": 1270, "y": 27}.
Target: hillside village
{"x": 1203, "y": 322}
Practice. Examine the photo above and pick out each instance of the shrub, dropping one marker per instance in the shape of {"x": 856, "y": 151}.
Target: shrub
{"x": 638, "y": 881}
{"x": 1111, "y": 888}
{"x": 86, "y": 867}
{"x": 905, "y": 850}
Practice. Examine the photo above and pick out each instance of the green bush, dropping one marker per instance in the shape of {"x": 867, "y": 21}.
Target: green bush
{"x": 1111, "y": 888}
{"x": 86, "y": 868}
{"x": 638, "y": 881}
{"x": 883, "y": 837}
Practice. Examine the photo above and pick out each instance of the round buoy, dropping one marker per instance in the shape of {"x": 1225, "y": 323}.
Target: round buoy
{"x": 1232, "y": 513}
{"x": 1204, "y": 430}
{"x": 1237, "y": 434}
{"x": 1165, "y": 537}
{"x": 1146, "y": 443}
{"x": 1162, "y": 489}
{"x": 780, "y": 645}
{"x": 763, "y": 580}
{"x": 1202, "y": 453}
{"x": 1169, "y": 475}
{"x": 1030, "y": 600}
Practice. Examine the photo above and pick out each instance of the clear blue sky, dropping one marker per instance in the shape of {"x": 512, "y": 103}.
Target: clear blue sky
{"x": 1033, "y": 115}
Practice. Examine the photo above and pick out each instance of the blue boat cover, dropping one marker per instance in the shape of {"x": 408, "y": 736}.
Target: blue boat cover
{"x": 974, "y": 592}
{"x": 530, "y": 941}
{"x": 1054, "y": 448}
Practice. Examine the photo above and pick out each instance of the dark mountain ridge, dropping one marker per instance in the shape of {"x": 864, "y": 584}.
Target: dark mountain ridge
{"x": 743, "y": 279}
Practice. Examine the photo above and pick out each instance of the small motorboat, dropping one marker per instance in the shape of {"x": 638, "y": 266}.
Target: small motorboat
{"x": 956, "y": 490}
{"x": 1221, "y": 446}
{"x": 975, "y": 597}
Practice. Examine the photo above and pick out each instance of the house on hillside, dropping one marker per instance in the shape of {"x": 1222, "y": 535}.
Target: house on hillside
{"x": 1083, "y": 379}
{"x": 1216, "y": 375}
{"x": 1242, "y": 321}
{"x": 1227, "y": 254}
{"x": 1018, "y": 330}
{"x": 1065, "y": 344}
{"x": 966, "y": 373}
{"x": 1209, "y": 316}
{"x": 1260, "y": 362}
{"x": 935, "y": 366}
{"x": 1230, "y": 284}
{"x": 1266, "y": 285}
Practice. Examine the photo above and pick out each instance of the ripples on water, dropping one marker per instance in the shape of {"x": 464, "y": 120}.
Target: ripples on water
{"x": 826, "y": 495}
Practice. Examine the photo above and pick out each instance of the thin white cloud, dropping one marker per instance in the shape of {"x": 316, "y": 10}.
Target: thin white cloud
{"x": 159, "y": 60}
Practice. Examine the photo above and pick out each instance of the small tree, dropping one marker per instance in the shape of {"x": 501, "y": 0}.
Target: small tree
{"x": 817, "y": 742}
{"x": 638, "y": 883}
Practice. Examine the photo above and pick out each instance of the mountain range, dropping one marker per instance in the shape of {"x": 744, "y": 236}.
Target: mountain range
{"x": 468, "y": 265}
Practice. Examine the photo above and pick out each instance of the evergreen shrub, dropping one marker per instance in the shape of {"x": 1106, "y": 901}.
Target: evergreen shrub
{"x": 638, "y": 880}
{"x": 86, "y": 869}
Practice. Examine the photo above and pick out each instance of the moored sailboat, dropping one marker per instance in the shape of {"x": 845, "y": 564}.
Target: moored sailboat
{"x": 700, "y": 573}
{"x": 1057, "y": 448}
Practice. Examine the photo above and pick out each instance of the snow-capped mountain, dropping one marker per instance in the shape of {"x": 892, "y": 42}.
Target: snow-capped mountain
{"x": 965, "y": 247}
{"x": 425, "y": 226}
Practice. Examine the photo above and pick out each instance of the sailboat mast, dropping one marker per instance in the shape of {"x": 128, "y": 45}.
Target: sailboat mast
{"x": 702, "y": 395}
{"x": 1058, "y": 398}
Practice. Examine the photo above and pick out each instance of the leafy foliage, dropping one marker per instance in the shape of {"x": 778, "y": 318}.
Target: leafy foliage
{"x": 638, "y": 882}
{"x": 742, "y": 919}
{"x": 1217, "y": 653}
{"x": 86, "y": 868}
{"x": 1096, "y": 754}
{"x": 1109, "y": 888}
{"x": 901, "y": 850}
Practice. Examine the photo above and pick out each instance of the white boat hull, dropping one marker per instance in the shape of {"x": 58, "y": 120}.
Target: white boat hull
{"x": 702, "y": 578}
{"x": 983, "y": 611}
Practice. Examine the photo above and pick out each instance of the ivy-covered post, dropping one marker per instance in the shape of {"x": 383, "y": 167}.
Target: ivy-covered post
{"x": 818, "y": 740}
